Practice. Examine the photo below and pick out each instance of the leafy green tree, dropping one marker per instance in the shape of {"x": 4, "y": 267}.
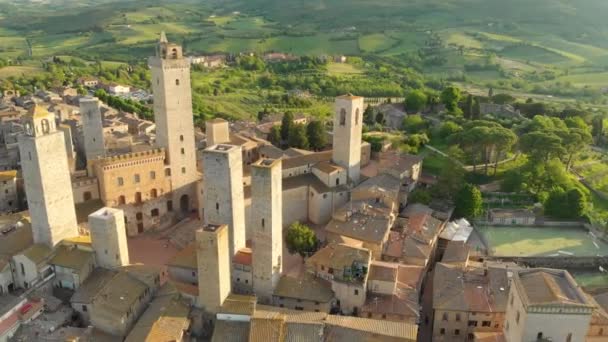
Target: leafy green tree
{"x": 469, "y": 202}
{"x": 468, "y": 107}
{"x": 450, "y": 97}
{"x": 298, "y": 137}
{"x": 449, "y": 181}
{"x": 368, "y": 116}
{"x": 316, "y": 135}
{"x": 300, "y": 239}
{"x": 598, "y": 128}
{"x": 415, "y": 101}
{"x": 414, "y": 124}
{"x": 274, "y": 136}
{"x": 286, "y": 125}
{"x": 541, "y": 146}
{"x": 448, "y": 128}
{"x": 571, "y": 204}
{"x": 420, "y": 196}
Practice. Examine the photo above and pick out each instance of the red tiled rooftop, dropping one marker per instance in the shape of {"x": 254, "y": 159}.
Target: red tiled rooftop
{"x": 243, "y": 257}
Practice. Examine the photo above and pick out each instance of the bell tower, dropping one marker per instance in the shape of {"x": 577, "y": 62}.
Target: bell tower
{"x": 46, "y": 173}
{"x": 348, "y": 128}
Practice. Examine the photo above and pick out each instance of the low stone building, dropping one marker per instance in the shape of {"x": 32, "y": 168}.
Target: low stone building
{"x": 9, "y": 201}
{"x": 468, "y": 300}
{"x": 547, "y": 305}
{"x": 72, "y": 264}
{"x": 305, "y": 292}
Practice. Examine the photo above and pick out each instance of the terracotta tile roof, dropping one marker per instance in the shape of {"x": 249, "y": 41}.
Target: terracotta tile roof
{"x": 165, "y": 319}
{"x": 361, "y": 227}
{"x": 38, "y": 253}
{"x": 230, "y": 331}
{"x": 339, "y": 257}
{"x": 243, "y": 257}
{"x": 307, "y": 159}
{"x": 72, "y": 258}
{"x": 267, "y": 328}
{"x": 306, "y": 287}
{"x": 92, "y": 285}
{"x": 328, "y": 167}
{"x": 239, "y": 305}
{"x": 548, "y": 286}
{"x": 342, "y": 326}
{"x": 456, "y": 252}
{"x": 383, "y": 271}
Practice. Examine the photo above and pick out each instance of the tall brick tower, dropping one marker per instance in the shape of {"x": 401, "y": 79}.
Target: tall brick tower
{"x": 109, "y": 237}
{"x": 174, "y": 120}
{"x": 267, "y": 221}
{"x": 213, "y": 264}
{"x": 347, "y": 134}
{"x": 223, "y": 197}
{"x": 46, "y": 173}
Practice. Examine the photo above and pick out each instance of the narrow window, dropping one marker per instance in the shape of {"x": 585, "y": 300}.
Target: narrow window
{"x": 539, "y": 336}
{"x": 183, "y": 170}
{"x": 177, "y": 82}
{"x": 457, "y": 332}
{"x": 445, "y": 316}
{"x": 442, "y": 331}
{"x": 342, "y": 117}
{"x": 183, "y": 151}
{"x": 136, "y": 178}
{"x": 357, "y": 117}
{"x": 169, "y": 205}
{"x": 181, "y": 138}
{"x": 121, "y": 181}
{"x": 356, "y": 292}
{"x": 569, "y": 338}
{"x": 217, "y": 206}
{"x": 121, "y": 200}
{"x": 154, "y": 193}
{"x": 152, "y": 175}
{"x": 263, "y": 223}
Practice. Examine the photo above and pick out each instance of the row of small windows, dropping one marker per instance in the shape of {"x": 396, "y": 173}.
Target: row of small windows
{"x": 343, "y": 117}
{"x": 138, "y": 198}
{"x": 137, "y": 178}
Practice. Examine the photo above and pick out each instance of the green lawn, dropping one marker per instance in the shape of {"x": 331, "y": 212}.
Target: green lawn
{"x": 591, "y": 279}
{"x": 375, "y": 42}
{"x": 18, "y": 71}
{"x": 541, "y": 241}
{"x": 343, "y": 69}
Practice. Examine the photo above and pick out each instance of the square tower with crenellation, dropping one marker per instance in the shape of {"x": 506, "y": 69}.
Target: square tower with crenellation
{"x": 173, "y": 117}
{"x": 46, "y": 174}
{"x": 348, "y": 128}
{"x": 213, "y": 262}
{"x": 267, "y": 221}
{"x": 109, "y": 237}
{"x": 223, "y": 197}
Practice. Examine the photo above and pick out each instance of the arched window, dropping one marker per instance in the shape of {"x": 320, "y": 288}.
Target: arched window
{"x": 154, "y": 193}
{"x": 121, "y": 200}
{"x": 342, "y": 117}
{"x": 45, "y": 126}
{"x": 357, "y": 117}
{"x": 174, "y": 53}
{"x": 138, "y": 197}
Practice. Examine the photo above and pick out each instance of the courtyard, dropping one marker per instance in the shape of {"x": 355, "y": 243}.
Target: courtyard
{"x": 541, "y": 241}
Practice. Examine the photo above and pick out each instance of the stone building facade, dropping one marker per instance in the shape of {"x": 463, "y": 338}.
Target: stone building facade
{"x": 9, "y": 200}
{"x": 140, "y": 184}
{"x": 92, "y": 127}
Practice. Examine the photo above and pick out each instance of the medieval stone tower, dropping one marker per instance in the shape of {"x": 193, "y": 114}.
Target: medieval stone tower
{"x": 267, "y": 221}
{"x": 217, "y": 131}
{"x": 213, "y": 262}
{"x": 109, "y": 237}
{"x": 347, "y": 134}
{"x": 173, "y": 118}
{"x": 46, "y": 174}
{"x": 92, "y": 128}
{"x": 223, "y": 198}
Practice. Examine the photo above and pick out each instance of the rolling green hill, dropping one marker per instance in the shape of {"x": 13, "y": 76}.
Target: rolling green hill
{"x": 481, "y": 40}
